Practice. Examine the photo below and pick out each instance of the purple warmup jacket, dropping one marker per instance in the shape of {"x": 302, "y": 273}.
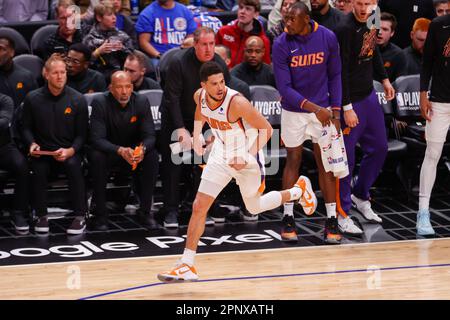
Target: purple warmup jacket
{"x": 308, "y": 68}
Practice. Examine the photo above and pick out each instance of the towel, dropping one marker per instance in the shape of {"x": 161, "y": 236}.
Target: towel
{"x": 332, "y": 148}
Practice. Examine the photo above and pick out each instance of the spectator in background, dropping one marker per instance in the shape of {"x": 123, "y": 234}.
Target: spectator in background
{"x": 275, "y": 15}
{"x": 204, "y": 19}
{"x": 346, "y": 6}
{"x": 23, "y": 10}
{"x": 414, "y": 53}
{"x": 15, "y": 81}
{"x": 121, "y": 121}
{"x": 79, "y": 76}
{"x": 82, "y": 4}
{"x": 135, "y": 67}
{"x": 55, "y": 119}
{"x": 110, "y": 46}
{"x": 325, "y": 15}
{"x": 393, "y": 57}
{"x": 235, "y": 83}
{"x": 225, "y": 5}
{"x": 246, "y": 25}
{"x": 12, "y": 160}
{"x": 123, "y": 21}
{"x": 163, "y": 25}
{"x": 442, "y": 7}
{"x": 278, "y": 29}
{"x": 253, "y": 70}
{"x": 67, "y": 33}
{"x": 407, "y": 12}
{"x": 124, "y": 8}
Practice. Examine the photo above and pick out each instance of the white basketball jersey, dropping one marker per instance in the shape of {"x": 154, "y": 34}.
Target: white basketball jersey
{"x": 231, "y": 138}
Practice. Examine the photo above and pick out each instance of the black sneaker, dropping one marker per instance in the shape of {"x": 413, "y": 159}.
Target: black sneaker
{"x": 41, "y": 225}
{"x": 147, "y": 220}
{"x": 332, "y": 234}
{"x": 289, "y": 231}
{"x": 19, "y": 222}
{"x": 171, "y": 220}
{"x": 78, "y": 226}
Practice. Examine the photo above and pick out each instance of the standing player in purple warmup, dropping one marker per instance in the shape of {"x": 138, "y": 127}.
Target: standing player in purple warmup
{"x": 307, "y": 69}
{"x": 363, "y": 119}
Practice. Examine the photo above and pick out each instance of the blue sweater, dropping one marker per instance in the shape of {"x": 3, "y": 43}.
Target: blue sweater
{"x": 308, "y": 68}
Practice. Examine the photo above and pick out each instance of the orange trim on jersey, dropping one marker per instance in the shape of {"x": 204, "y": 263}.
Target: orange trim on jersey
{"x": 316, "y": 26}
{"x": 229, "y": 107}
{"x": 338, "y": 201}
{"x": 262, "y": 187}
{"x": 221, "y": 102}
{"x": 241, "y": 124}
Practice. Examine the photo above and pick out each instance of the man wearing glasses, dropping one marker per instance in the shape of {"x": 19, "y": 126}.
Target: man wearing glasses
{"x": 79, "y": 76}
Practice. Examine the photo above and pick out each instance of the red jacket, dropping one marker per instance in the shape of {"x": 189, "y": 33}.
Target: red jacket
{"x": 234, "y": 38}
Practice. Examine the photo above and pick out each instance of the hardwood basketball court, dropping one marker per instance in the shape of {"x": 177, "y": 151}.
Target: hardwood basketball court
{"x": 418, "y": 269}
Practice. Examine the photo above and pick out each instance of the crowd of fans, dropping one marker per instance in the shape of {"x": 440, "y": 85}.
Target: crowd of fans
{"x": 109, "y": 46}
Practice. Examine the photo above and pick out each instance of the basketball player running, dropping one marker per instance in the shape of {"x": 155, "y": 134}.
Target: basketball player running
{"x": 240, "y": 133}
{"x": 307, "y": 69}
{"x": 436, "y": 110}
{"x": 363, "y": 118}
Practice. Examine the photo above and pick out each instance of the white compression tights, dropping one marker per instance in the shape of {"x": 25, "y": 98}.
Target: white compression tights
{"x": 263, "y": 203}
{"x": 428, "y": 172}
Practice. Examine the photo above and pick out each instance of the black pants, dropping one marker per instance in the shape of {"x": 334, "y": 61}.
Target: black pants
{"x": 72, "y": 167}
{"x": 145, "y": 176}
{"x": 13, "y": 161}
{"x": 171, "y": 173}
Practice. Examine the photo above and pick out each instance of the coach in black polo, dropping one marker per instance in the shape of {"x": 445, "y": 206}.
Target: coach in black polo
{"x": 55, "y": 118}
{"x": 121, "y": 120}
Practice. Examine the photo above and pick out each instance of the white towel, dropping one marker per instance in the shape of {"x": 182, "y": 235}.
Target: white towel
{"x": 332, "y": 148}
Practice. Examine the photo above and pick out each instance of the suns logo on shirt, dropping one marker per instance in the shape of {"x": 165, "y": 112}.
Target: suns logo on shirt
{"x": 19, "y": 85}
{"x": 217, "y": 124}
{"x": 307, "y": 59}
{"x": 369, "y": 44}
{"x": 133, "y": 119}
{"x": 68, "y": 110}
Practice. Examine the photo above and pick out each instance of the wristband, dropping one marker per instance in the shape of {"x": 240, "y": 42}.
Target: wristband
{"x": 348, "y": 107}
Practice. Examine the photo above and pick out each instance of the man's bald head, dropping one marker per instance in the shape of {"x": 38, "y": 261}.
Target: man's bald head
{"x": 121, "y": 87}
{"x": 120, "y": 76}
{"x": 254, "y": 51}
{"x": 254, "y": 41}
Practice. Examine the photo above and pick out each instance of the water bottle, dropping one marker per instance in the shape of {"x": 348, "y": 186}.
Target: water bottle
{"x": 134, "y": 4}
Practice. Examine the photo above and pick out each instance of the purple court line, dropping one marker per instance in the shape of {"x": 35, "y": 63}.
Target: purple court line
{"x": 268, "y": 277}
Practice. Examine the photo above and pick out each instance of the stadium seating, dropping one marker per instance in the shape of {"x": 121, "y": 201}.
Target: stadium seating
{"x": 39, "y": 37}
{"x": 32, "y": 63}
{"x": 154, "y": 98}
